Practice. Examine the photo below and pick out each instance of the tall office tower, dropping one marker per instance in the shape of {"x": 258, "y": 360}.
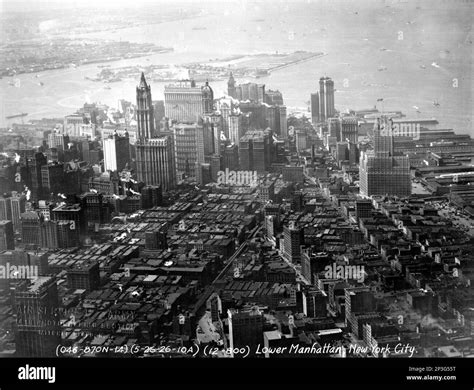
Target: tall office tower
{"x": 116, "y": 152}
{"x": 34, "y": 177}
{"x": 235, "y": 131}
{"x": 266, "y": 191}
{"x": 67, "y": 237}
{"x": 256, "y": 150}
{"x": 58, "y": 140}
{"x": 151, "y": 196}
{"x": 185, "y": 102}
{"x": 250, "y": 91}
{"x": 326, "y": 98}
{"x": 292, "y": 243}
{"x": 254, "y": 113}
{"x": 301, "y": 144}
{"x": 209, "y": 136}
{"x": 155, "y": 161}
{"x": 189, "y": 148}
{"x": 37, "y": 323}
{"x": 231, "y": 157}
{"x": 52, "y": 177}
{"x": 315, "y": 107}
{"x": 334, "y": 128}
{"x": 381, "y": 171}
{"x": 269, "y": 226}
{"x": 74, "y": 214}
{"x": 214, "y": 305}
{"x": 96, "y": 207}
{"x": 358, "y": 300}
{"x": 349, "y": 130}
{"x": 6, "y": 208}
{"x": 226, "y": 109}
{"x": 283, "y": 122}
{"x": 274, "y": 211}
{"x": 212, "y": 126}
{"x": 207, "y": 99}
{"x": 231, "y": 86}
{"x": 49, "y": 235}
{"x": 18, "y": 204}
{"x": 342, "y": 152}
{"x": 353, "y": 153}
{"x": 312, "y": 263}
{"x": 73, "y": 124}
{"x": 145, "y": 117}
{"x": 158, "y": 113}
{"x": 215, "y": 162}
{"x": 7, "y": 240}
{"x": 272, "y": 118}
{"x": 274, "y": 98}
{"x": 203, "y": 173}
{"x": 315, "y": 303}
{"x": 245, "y": 329}
{"x": 30, "y": 227}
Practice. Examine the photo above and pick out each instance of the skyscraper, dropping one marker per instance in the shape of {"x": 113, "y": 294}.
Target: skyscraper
{"x": 315, "y": 107}
{"x": 334, "y": 128}
{"x": 245, "y": 329}
{"x": 73, "y": 215}
{"x": 283, "y": 122}
{"x": 326, "y": 98}
{"x": 358, "y": 300}
{"x": 30, "y": 227}
{"x": 6, "y": 235}
{"x": 156, "y": 162}
{"x": 6, "y": 208}
{"x": 231, "y": 86}
{"x": 186, "y": 103}
{"x": 155, "y": 159}
{"x": 189, "y": 148}
{"x": 116, "y": 152}
{"x": 256, "y": 150}
{"x": 292, "y": 243}
{"x": 235, "y": 127}
{"x": 18, "y": 202}
{"x": 381, "y": 171}
{"x": 38, "y": 332}
{"x": 349, "y": 130}
{"x": 145, "y": 119}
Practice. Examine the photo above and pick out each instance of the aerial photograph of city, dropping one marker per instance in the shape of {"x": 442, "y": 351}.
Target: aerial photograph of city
{"x": 232, "y": 182}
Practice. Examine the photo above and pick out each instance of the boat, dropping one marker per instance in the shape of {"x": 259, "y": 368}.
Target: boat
{"x": 17, "y": 115}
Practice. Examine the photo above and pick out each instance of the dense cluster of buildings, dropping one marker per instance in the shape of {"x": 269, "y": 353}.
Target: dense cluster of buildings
{"x": 204, "y": 220}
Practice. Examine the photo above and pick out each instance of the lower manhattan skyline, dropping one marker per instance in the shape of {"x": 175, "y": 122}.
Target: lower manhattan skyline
{"x": 243, "y": 180}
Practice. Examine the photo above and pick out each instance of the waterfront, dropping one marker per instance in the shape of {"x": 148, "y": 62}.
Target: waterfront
{"x": 354, "y": 56}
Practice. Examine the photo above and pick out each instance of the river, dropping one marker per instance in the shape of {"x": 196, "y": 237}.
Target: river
{"x": 409, "y": 57}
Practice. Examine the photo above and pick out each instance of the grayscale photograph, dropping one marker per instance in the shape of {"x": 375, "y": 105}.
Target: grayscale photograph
{"x": 237, "y": 181}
